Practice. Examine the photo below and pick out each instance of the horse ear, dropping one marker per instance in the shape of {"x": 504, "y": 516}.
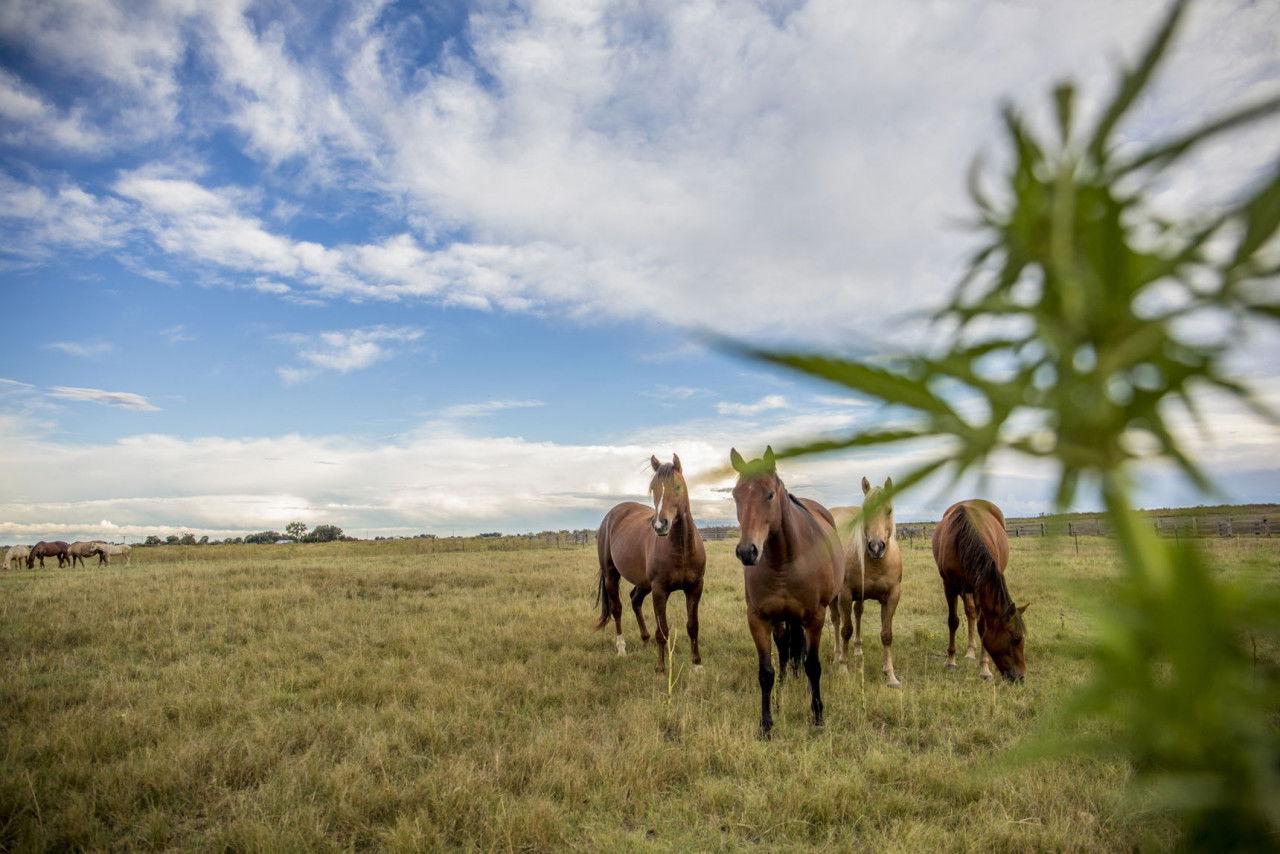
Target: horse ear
{"x": 866, "y": 486}
{"x": 653, "y": 461}
{"x": 675, "y": 461}
{"x": 770, "y": 461}
{"x": 1024, "y": 608}
{"x": 736, "y": 460}
{"x": 888, "y": 484}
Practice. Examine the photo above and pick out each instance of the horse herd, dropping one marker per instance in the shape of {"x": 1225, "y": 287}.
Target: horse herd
{"x": 67, "y": 554}
{"x": 801, "y": 561}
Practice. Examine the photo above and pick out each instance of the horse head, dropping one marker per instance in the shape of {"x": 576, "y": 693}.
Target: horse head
{"x": 759, "y": 496}
{"x": 1003, "y": 638}
{"x": 670, "y": 494}
{"x": 877, "y": 517}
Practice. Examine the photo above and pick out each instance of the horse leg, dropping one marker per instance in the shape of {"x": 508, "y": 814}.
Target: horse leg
{"x": 887, "y": 607}
{"x": 612, "y": 607}
{"x": 953, "y": 623}
{"x": 984, "y": 670}
{"x": 691, "y": 599}
{"x": 843, "y": 608}
{"x": 857, "y": 626}
{"x": 663, "y": 636}
{"x": 637, "y": 599}
{"x": 760, "y": 635}
{"x": 813, "y": 667}
{"x": 971, "y": 614}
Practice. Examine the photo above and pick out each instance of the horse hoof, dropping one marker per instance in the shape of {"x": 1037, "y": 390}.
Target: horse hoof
{"x": 698, "y": 668}
{"x": 970, "y": 655}
{"x": 857, "y": 650}
{"x": 844, "y": 668}
{"x": 621, "y": 644}
{"x": 894, "y": 683}
{"x": 951, "y": 665}
{"x": 985, "y": 675}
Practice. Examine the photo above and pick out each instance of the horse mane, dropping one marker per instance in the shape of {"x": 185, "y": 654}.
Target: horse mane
{"x": 976, "y": 553}
{"x": 664, "y": 470}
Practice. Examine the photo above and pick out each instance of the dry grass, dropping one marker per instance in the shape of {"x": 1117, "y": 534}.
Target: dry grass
{"x": 351, "y": 697}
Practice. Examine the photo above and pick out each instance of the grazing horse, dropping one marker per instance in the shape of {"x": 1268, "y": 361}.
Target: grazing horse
{"x": 872, "y": 570}
{"x": 971, "y": 549}
{"x": 78, "y": 551}
{"x": 659, "y": 550}
{"x": 793, "y": 568}
{"x": 110, "y": 550}
{"x": 15, "y": 557}
{"x": 42, "y": 550}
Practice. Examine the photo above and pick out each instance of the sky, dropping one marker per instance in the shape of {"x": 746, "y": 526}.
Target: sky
{"x": 455, "y": 267}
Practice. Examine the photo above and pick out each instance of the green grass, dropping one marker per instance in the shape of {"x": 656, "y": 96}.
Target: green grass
{"x": 347, "y": 696}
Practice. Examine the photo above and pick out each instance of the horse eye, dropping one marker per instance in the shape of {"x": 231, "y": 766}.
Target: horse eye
{"x": 769, "y": 497}
{"x": 677, "y": 487}
{"x": 1017, "y": 641}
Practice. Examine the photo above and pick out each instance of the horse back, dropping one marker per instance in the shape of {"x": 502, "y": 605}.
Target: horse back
{"x": 828, "y": 542}
{"x": 986, "y": 520}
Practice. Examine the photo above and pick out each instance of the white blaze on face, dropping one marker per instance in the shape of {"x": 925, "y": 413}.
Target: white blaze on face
{"x": 662, "y": 495}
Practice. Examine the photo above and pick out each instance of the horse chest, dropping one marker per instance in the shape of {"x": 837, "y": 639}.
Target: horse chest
{"x": 775, "y": 595}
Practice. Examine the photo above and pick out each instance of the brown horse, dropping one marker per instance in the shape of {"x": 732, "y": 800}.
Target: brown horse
{"x": 42, "y": 550}
{"x": 971, "y": 549}
{"x": 659, "y": 550}
{"x": 872, "y": 570}
{"x": 793, "y": 568}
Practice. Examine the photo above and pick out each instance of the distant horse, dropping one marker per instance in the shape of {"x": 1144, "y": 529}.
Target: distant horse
{"x": 659, "y": 550}
{"x": 110, "y": 550}
{"x": 872, "y": 570}
{"x": 42, "y": 550}
{"x": 15, "y": 557}
{"x": 971, "y": 550}
{"x": 793, "y": 568}
{"x": 78, "y": 551}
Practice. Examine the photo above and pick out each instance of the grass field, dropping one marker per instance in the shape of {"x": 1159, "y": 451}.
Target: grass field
{"x": 367, "y": 696}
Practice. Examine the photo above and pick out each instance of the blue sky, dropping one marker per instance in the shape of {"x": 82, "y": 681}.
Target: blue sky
{"x": 450, "y": 267}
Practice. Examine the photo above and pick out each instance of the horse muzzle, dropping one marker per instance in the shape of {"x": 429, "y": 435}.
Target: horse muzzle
{"x": 876, "y": 548}
{"x": 748, "y": 553}
{"x": 661, "y": 527}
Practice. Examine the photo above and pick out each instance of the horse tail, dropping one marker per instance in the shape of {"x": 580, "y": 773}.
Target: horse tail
{"x": 602, "y": 590}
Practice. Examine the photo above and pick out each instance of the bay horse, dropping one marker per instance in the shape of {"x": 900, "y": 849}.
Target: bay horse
{"x": 42, "y": 550}
{"x": 872, "y": 570}
{"x": 793, "y": 568}
{"x": 971, "y": 549}
{"x": 659, "y": 550}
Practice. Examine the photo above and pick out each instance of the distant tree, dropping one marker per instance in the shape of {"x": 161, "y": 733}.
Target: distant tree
{"x": 323, "y": 534}
{"x": 187, "y": 539}
{"x": 152, "y": 540}
{"x": 263, "y": 538}
{"x": 204, "y": 541}
{"x": 171, "y": 540}
{"x": 296, "y": 530}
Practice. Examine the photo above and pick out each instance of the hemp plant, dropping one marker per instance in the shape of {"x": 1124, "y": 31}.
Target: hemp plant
{"x": 1075, "y": 336}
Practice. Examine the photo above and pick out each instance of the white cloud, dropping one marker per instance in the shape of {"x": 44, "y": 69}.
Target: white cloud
{"x": 118, "y": 399}
{"x": 764, "y": 404}
{"x": 343, "y": 351}
{"x": 84, "y": 349}
{"x": 479, "y": 410}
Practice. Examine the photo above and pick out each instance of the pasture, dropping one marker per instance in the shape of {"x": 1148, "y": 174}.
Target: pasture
{"x": 384, "y": 696}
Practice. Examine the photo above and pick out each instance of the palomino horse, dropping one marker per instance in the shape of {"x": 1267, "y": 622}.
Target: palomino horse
{"x": 971, "y": 550}
{"x": 659, "y": 550}
{"x": 42, "y": 550}
{"x": 15, "y": 557}
{"x": 793, "y": 568}
{"x": 79, "y": 551}
{"x": 110, "y": 550}
{"x": 872, "y": 570}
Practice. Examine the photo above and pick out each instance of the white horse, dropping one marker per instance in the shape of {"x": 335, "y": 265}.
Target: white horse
{"x": 16, "y": 554}
{"x": 110, "y": 550}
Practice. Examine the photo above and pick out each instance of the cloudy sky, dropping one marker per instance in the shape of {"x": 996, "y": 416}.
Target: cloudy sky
{"x": 449, "y": 267}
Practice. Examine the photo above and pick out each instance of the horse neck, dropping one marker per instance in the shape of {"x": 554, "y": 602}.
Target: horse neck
{"x": 990, "y": 592}
{"x": 683, "y": 532}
